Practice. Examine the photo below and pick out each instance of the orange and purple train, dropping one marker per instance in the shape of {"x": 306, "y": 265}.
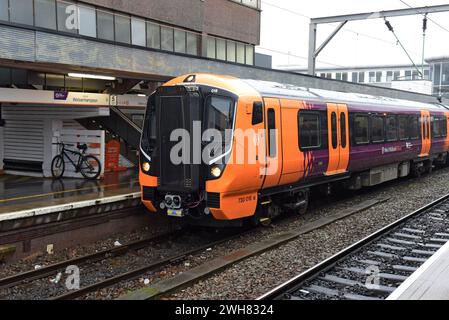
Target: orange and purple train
{"x": 299, "y": 138}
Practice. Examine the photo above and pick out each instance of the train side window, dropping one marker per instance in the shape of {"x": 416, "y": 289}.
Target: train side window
{"x": 377, "y": 129}
{"x": 443, "y": 126}
{"x": 392, "y": 128}
{"x": 271, "y": 118}
{"x": 334, "y": 130}
{"x": 309, "y": 130}
{"x": 414, "y": 127}
{"x": 436, "y": 127}
{"x": 403, "y": 125}
{"x": 361, "y": 129}
{"x": 257, "y": 113}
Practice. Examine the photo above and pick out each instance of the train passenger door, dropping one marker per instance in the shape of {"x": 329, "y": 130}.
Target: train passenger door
{"x": 273, "y": 142}
{"x": 425, "y": 133}
{"x": 338, "y": 137}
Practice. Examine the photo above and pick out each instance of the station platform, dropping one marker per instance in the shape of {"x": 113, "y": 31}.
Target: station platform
{"x": 429, "y": 282}
{"x": 27, "y": 197}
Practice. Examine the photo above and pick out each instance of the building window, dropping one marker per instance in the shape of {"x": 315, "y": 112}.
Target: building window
{"x": 408, "y": 75}
{"x": 122, "y": 28}
{"x": 391, "y": 125}
{"x": 221, "y": 49}
{"x": 415, "y": 75}
{"x": 361, "y": 132}
{"x": 427, "y": 74}
{"x": 211, "y": 48}
{"x": 308, "y": 130}
{"x": 153, "y": 35}
{"x": 377, "y": 129}
{"x": 379, "y": 76}
{"x": 338, "y": 76}
{"x": 230, "y": 50}
{"x": 372, "y": 76}
{"x": 67, "y": 17}
{"x": 240, "y": 53}
{"x": 138, "y": 35}
{"x": 166, "y": 38}
{"x": 21, "y": 11}
{"x": 355, "y": 77}
{"x": 105, "y": 25}
{"x": 344, "y": 76}
{"x": 249, "y": 55}
{"x": 389, "y": 76}
{"x": 396, "y": 75}
{"x": 4, "y": 10}
{"x": 44, "y": 13}
{"x": 180, "y": 41}
{"x": 329, "y": 75}
{"x": 192, "y": 43}
{"x": 88, "y": 21}
{"x": 361, "y": 77}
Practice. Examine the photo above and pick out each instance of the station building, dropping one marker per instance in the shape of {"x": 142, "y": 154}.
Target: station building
{"x": 432, "y": 78}
{"x": 81, "y": 71}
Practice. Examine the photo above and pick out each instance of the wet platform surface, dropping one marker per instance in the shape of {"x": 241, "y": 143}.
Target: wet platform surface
{"x": 429, "y": 282}
{"x": 19, "y": 193}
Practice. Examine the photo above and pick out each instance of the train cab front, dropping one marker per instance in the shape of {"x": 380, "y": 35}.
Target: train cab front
{"x": 186, "y": 137}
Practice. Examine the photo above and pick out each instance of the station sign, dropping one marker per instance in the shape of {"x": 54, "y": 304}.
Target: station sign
{"x": 26, "y": 96}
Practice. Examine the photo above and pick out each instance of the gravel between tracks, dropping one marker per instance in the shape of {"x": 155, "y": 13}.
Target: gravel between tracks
{"x": 254, "y": 276}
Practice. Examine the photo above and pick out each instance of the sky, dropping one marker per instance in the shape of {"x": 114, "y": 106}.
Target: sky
{"x": 285, "y": 32}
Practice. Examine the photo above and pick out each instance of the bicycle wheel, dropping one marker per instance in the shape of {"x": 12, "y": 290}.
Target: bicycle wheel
{"x": 90, "y": 167}
{"x": 57, "y": 167}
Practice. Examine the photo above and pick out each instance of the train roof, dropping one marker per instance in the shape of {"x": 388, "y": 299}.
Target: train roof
{"x": 249, "y": 87}
{"x": 275, "y": 89}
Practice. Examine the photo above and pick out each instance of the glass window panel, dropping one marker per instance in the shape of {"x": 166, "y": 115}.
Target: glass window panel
{"x": 180, "y": 41}
{"x": 221, "y": 49}
{"x": 408, "y": 75}
{"x": 67, "y": 17}
{"x": 379, "y": 76}
{"x": 153, "y": 35}
{"x": 192, "y": 43}
{"x": 249, "y": 55}
{"x": 122, "y": 28}
{"x": 354, "y": 77}
{"x": 4, "y": 11}
{"x": 445, "y": 74}
{"x": 105, "y": 25}
{"x": 309, "y": 130}
{"x": 389, "y": 76}
{"x": 361, "y": 125}
{"x": 230, "y": 51}
{"x": 138, "y": 32}
{"x": 372, "y": 77}
{"x": 45, "y": 14}
{"x": 344, "y": 76}
{"x": 436, "y": 127}
{"x": 167, "y": 38}
{"x": 403, "y": 124}
{"x": 22, "y": 11}
{"x": 211, "y": 47}
{"x": 5, "y": 77}
{"x": 392, "y": 132}
{"x": 377, "y": 129}
{"x": 338, "y": 76}
{"x": 414, "y": 127}
{"x": 271, "y": 119}
{"x": 397, "y": 75}
{"x": 437, "y": 75}
{"x": 88, "y": 21}
{"x": 240, "y": 53}
{"x": 361, "y": 76}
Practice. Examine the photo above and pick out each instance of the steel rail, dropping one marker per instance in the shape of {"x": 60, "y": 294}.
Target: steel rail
{"x": 296, "y": 282}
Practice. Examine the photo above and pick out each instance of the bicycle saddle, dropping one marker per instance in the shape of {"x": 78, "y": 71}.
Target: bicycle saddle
{"x": 82, "y": 147}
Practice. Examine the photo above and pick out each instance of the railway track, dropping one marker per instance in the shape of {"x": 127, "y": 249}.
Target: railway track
{"x": 374, "y": 267}
{"x": 39, "y": 278}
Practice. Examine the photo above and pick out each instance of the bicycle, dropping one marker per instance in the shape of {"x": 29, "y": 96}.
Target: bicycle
{"x": 88, "y": 165}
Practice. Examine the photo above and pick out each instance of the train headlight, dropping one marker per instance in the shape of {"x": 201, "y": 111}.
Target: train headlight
{"x": 215, "y": 172}
{"x": 146, "y": 166}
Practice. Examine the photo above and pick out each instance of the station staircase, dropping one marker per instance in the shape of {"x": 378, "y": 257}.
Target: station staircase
{"x": 118, "y": 124}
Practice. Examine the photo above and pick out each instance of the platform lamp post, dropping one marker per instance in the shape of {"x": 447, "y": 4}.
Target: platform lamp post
{"x": 343, "y": 19}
